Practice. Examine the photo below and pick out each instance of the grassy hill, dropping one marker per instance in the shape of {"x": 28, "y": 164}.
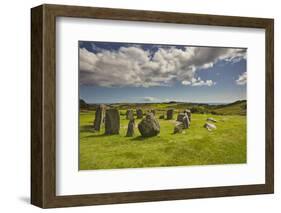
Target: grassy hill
{"x": 235, "y": 108}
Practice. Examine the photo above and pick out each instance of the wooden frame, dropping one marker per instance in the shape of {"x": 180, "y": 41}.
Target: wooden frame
{"x": 43, "y": 106}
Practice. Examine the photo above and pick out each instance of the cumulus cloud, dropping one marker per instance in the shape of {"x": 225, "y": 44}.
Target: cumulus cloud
{"x": 242, "y": 79}
{"x": 136, "y": 67}
{"x": 198, "y": 82}
{"x": 149, "y": 99}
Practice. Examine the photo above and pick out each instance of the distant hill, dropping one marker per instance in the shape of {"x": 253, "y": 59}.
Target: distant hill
{"x": 83, "y": 104}
{"x": 235, "y": 108}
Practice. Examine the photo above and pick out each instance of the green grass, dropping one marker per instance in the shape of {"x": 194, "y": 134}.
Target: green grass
{"x": 195, "y": 146}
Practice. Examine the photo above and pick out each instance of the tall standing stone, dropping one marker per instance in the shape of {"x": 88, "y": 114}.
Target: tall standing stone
{"x": 178, "y": 128}
{"x": 131, "y": 128}
{"x": 186, "y": 122}
{"x": 170, "y": 113}
{"x": 180, "y": 117}
{"x": 99, "y": 117}
{"x": 139, "y": 113}
{"x": 188, "y": 112}
{"x": 130, "y": 114}
{"x": 112, "y": 122}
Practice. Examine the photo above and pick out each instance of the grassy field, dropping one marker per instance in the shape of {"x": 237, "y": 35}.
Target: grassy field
{"x": 195, "y": 146}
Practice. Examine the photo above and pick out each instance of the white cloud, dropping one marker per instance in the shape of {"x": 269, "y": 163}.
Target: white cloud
{"x": 242, "y": 79}
{"x": 186, "y": 82}
{"x": 149, "y": 99}
{"x": 204, "y": 83}
{"x": 198, "y": 82}
{"x": 133, "y": 66}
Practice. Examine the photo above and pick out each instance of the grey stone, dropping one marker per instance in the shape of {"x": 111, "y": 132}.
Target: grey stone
{"x": 139, "y": 113}
{"x": 178, "y": 128}
{"x": 186, "y": 122}
{"x": 210, "y": 126}
{"x": 112, "y": 122}
{"x": 99, "y": 117}
{"x": 131, "y": 128}
{"x": 180, "y": 117}
{"x": 212, "y": 120}
{"x": 149, "y": 126}
{"x": 170, "y": 113}
{"x": 130, "y": 114}
{"x": 152, "y": 111}
{"x": 188, "y": 112}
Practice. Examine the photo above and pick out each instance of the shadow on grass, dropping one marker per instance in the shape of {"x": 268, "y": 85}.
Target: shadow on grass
{"x": 98, "y": 136}
{"x": 87, "y": 128}
{"x": 138, "y": 138}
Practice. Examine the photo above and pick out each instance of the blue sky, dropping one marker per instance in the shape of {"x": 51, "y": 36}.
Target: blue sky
{"x": 124, "y": 72}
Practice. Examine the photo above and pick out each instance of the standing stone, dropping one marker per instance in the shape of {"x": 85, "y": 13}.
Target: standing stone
{"x": 180, "y": 117}
{"x": 170, "y": 113}
{"x": 112, "y": 122}
{"x": 188, "y": 112}
{"x": 149, "y": 126}
{"x": 153, "y": 112}
{"x": 131, "y": 128}
{"x": 178, "y": 128}
{"x": 99, "y": 117}
{"x": 130, "y": 114}
{"x": 186, "y": 122}
{"x": 139, "y": 113}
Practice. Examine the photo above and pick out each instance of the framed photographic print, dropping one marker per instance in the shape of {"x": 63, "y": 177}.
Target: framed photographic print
{"x": 137, "y": 106}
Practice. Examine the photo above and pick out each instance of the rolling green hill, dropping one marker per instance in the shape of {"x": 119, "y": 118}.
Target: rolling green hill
{"x": 235, "y": 108}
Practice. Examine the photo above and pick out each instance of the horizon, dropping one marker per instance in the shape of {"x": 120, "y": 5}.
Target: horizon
{"x": 112, "y": 72}
{"x": 167, "y": 102}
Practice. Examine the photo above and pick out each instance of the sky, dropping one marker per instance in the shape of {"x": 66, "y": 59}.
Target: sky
{"x": 112, "y": 72}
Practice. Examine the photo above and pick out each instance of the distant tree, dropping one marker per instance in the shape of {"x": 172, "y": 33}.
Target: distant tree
{"x": 198, "y": 109}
